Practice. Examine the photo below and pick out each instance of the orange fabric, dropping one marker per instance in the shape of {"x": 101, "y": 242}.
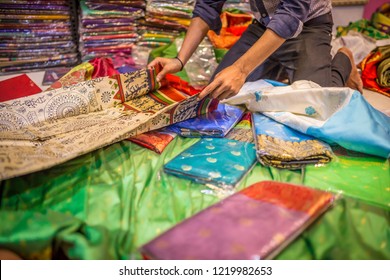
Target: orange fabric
{"x": 290, "y": 196}
{"x": 233, "y": 25}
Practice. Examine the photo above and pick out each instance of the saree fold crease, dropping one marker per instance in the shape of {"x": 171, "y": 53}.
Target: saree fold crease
{"x": 49, "y": 128}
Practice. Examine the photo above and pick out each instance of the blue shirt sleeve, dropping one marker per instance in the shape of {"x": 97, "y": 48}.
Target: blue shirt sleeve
{"x": 210, "y": 12}
{"x": 289, "y": 17}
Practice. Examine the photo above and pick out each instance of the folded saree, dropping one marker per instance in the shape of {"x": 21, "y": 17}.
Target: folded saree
{"x": 279, "y": 146}
{"x": 242, "y": 131}
{"x": 49, "y": 128}
{"x": 255, "y": 223}
{"x": 375, "y": 70}
{"x": 156, "y": 140}
{"x": 217, "y": 162}
{"x": 213, "y": 124}
{"x": 336, "y": 115}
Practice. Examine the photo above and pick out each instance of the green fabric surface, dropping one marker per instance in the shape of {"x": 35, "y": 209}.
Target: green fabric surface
{"x": 106, "y": 204}
{"x": 220, "y": 53}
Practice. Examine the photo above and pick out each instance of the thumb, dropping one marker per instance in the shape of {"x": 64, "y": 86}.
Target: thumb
{"x": 161, "y": 74}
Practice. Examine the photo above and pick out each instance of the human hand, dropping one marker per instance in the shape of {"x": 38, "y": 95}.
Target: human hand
{"x": 167, "y": 65}
{"x": 226, "y": 84}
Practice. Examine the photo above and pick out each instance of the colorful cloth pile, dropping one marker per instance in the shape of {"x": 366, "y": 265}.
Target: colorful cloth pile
{"x": 376, "y": 70}
{"x": 234, "y": 23}
{"x": 37, "y": 34}
{"x": 374, "y": 52}
{"x": 107, "y": 28}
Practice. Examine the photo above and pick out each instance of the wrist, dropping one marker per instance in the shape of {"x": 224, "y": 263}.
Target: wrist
{"x": 244, "y": 69}
{"x": 181, "y": 63}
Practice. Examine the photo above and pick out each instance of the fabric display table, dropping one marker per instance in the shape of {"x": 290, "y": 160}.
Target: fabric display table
{"x": 108, "y": 203}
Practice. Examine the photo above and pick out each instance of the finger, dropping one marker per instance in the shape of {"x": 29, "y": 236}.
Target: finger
{"x": 225, "y": 94}
{"x": 219, "y": 90}
{"x": 209, "y": 89}
{"x": 162, "y": 74}
{"x": 155, "y": 62}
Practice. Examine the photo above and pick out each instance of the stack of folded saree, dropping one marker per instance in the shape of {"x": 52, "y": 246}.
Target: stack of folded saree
{"x": 37, "y": 34}
{"x": 164, "y": 21}
{"x": 108, "y": 27}
{"x": 170, "y": 14}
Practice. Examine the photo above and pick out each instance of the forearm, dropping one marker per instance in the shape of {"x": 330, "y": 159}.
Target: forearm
{"x": 195, "y": 34}
{"x": 259, "y": 52}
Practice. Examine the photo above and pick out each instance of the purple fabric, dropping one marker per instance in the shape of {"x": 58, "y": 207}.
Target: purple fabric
{"x": 240, "y": 228}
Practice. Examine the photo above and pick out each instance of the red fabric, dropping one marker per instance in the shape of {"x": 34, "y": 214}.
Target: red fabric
{"x": 181, "y": 85}
{"x": 103, "y": 67}
{"x": 369, "y": 72}
{"x": 153, "y": 140}
{"x": 290, "y": 196}
{"x": 19, "y": 86}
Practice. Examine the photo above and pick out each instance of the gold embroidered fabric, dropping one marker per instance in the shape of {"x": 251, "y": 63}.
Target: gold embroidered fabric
{"x": 293, "y": 155}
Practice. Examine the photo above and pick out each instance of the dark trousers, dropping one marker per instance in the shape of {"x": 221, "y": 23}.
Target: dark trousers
{"x": 306, "y": 57}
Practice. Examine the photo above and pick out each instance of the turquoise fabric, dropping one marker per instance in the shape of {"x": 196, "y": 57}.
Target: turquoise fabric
{"x": 368, "y": 130}
{"x": 218, "y": 161}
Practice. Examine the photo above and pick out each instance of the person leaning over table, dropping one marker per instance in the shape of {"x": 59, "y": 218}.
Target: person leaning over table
{"x": 287, "y": 37}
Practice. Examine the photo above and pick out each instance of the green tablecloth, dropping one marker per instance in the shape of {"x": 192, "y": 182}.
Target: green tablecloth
{"x": 106, "y": 204}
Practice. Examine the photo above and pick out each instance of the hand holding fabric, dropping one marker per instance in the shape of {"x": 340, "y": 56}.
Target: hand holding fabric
{"x": 226, "y": 84}
{"x": 167, "y": 65}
